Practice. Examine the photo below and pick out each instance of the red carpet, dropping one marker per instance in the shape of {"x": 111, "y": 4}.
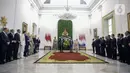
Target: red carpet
{"x": 68, "y": 56}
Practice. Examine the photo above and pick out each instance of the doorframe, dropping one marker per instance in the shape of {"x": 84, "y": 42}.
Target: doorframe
{"x": 128, "y": 20}
{"x": 105, "y": 23}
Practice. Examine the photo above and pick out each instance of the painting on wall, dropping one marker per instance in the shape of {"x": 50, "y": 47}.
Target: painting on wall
{"x": 24, "y": 27}
{"x": 34, "y": 26}
{"x": 95, "y": 32}
{"x": 128, "y": 18}
{"x": 3, "y": 21}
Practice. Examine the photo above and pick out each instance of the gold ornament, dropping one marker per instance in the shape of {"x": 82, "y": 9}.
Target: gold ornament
{"x": 3, "y": 21}
{"x": 65, "y": 33}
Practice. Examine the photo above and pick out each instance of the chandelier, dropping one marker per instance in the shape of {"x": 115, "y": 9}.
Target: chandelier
{"x": 67, "y": 15}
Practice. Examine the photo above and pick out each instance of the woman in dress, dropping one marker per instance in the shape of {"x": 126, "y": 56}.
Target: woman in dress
{"x": 54, "y": 43}
{"x": 76, "y": 45}
{"x": 31, "y": 50}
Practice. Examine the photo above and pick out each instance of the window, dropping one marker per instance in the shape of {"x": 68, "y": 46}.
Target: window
{"x": 110, "y": 26}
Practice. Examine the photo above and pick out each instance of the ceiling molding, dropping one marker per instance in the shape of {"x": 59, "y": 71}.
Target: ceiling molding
{"x": 98, "y": 5}
{"x": 63, "y": 8}
{"x": 33, "y": 5}
{"x": 37, "y": 2}
{"x": 44, "y": 12}
{"x": 94, "y": 3}
{"x": 40, "y": 5}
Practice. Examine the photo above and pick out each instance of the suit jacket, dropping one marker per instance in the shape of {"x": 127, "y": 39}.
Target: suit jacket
{"x": 0, "y": 43}
{"x": 129, "y": 44}
{"x": 108, "y": 43}
{"x": 4, "y": 41}
{"x": 129, "y": 41}
{"x": 113, "y": 43}
{"x": 126, "y": 42}
{"x": 38, "y": 42}
{"x": 11, "y": 37}
{"x": 119, "y": 42}
{"x": 103, "y": 43}
{"x": 97, "y": 43}
{"x": 93, "y": 44}
{"x": 26, "y": 40}
{"x": 17, "y": 38}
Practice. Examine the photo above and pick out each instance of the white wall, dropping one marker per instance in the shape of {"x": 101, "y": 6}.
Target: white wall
{"x": 22, "y": 13}
{"x": 48, "y": 24}
{"x": 107, "y": 7}
{"x": 96, "y": 22}
{"x": 7, "y": 8}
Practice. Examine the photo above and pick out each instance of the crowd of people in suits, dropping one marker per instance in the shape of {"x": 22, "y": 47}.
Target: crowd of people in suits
{"x": 113, "y": 48}
{"x": 15, "y": 46}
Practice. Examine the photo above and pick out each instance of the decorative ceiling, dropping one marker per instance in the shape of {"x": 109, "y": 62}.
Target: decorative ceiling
{"x": 85, "y": 5}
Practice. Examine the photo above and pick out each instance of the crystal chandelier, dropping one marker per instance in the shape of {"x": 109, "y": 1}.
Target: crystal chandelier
{"x": 67, "y": 15}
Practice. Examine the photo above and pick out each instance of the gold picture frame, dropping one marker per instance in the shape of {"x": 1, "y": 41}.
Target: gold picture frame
{"x": 128, "y": 19}
{"x": 34, "y": 28}
{"x": 24, "y": 27}
{"x": 3, "y": 21}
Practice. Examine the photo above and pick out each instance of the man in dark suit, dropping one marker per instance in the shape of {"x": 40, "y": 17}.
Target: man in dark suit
{"x": 127, "y": 47}
{"x": 0, "y": 49}
{"x": 93, "y": 45}
{"x": 103, "y": 46}
{"x": 4, "y": 45}
{"x": 97, "y": 45}
{"x": 114, "y": 47}
{"x": 108, "y": 47}
{"x": 27, "y": 43}
{"x": 60, "y": 44}
{"x": 38, "y": 40}
{"x": 17, "y": 43}
{"x": 119, "y": 46}
{"x": 35, "y": 44}
{"x": 11, "y": 46}
{"x": 124, "y": 49}
{"x": 71, "y": 45}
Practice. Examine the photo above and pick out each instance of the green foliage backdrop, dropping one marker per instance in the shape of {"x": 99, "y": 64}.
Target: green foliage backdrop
{"x": 65, "y": 24}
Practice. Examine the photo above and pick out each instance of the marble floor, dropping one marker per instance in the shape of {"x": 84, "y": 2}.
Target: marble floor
{"x": 27, "y": 65}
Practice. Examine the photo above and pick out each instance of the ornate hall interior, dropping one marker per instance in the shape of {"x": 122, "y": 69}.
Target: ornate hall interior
{"x": 65, "y": 36}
